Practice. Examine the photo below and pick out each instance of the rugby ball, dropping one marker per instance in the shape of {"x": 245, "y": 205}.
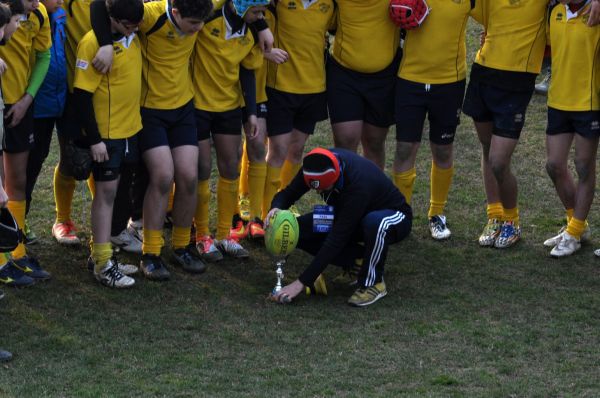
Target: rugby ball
{"x": 281, "y": 236}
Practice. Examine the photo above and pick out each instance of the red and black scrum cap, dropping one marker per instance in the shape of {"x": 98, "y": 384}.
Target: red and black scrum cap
{"x": 321, "y": 168}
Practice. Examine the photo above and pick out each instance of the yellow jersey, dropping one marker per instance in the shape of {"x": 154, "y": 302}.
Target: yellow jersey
{"x": 33, "y": 34}
{"x": 575, "y": 83}
{"x": 366, "y": 39}
{"x": 435, "y": 52}
{"x": 167, "y": 81}
{"x": 78, "y": 24}
{"x": 218, "y": 54}
{"x": 116, "y": 94}
{"x": 300, "y": 29}
{"x": 515, "y": 34}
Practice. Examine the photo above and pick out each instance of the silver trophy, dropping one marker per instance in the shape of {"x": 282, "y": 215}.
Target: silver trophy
{"x": 279, "y": 263}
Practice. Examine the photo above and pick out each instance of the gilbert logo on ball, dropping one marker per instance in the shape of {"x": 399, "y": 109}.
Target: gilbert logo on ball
{"x": 281, "y": 236}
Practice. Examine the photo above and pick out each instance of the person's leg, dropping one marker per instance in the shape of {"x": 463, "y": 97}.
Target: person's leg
{"x": 43, "y": 130}
{"x": 257, "y": 173}
{"x": 380, "y": 229}
{"x": 373, "y": 143}
{"x": 586, "y": 149}
{"x": 15, "y": 170}
{"x": 101, "y": 215}
{"x": 278, "y": 146}
{"x": 293, "y": 160}
{"x": 558, "y": 147}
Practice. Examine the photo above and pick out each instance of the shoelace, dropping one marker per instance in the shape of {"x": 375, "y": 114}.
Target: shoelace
{"x": 114, "y": 274}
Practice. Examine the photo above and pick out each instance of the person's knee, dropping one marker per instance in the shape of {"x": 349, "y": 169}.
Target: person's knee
{"x": 161, "y": 182}
{"x": 256, "y": 150}
{"x": 229, "y": 168}
{"x": 404, "y": 150}
{"x": 500, "y": 167}
{"x": 555, "y": 169}
{"x": 585, "y": 169}
{"x": 442, "y": 155}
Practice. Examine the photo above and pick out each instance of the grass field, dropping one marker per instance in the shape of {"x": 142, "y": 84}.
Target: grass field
{"x": 458, "y": 321}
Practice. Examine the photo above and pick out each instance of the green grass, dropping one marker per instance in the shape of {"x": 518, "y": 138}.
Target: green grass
{"x": 458, "y": 320}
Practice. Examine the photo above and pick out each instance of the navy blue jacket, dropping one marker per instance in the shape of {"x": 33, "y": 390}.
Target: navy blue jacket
{"x": 361, "y": 188}
{"x": 50, "y": 98}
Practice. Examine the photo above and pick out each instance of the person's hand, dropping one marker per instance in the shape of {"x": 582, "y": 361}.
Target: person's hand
{"x": 99, "y": 152}
{"x": 3, "y": 66}
{"x": 288, "y": 293}
{"x": 102, "y": 62}
{"x": 277, "y": 56}
{"x": 265, "y": 40}
{"x": 251, "y": 127}
{"x": 270, "y": 215}
{"x": 593, "y": 13}
{"x": 18, "y": 110}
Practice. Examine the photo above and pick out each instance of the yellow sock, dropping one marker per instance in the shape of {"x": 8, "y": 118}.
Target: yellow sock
{"x": 569, "y": 213}
{"x": 257, "y": 174}
{"x": 171, "y": 198}
{"x": 512, "y": 215}
{"x": 180, "y": 237}
{"x": 440, "y": 186}
{"x": 272, "y": 183}
{"x": 3, "y": 259}
{"x": 244, "y": 172}
{"x": 495, "y": 210}
{"x": 153, "y": 241}
{"x": 201, "y": 215}
{"x": 101, "y": 253}
{"x": 576, "y": 227}
{"x": 405, "y": 181}
{"x": 227, "y": 193}
{"x": 288, "y": 172}
{"x": 64, "y": 187}
{"x": 91, "y": 185}
{"x": 17, "y": 208}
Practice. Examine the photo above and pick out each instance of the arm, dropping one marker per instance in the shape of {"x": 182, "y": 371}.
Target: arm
{"x": 87, "y": 118}
{"x": 248, "y": 83}
{"x": 347, "y": 220}
{"x": 594, "y": 13}
{"x": 38, "y": 73}
{"x": 101, "y": 27}
{"x": 265, "y": 36}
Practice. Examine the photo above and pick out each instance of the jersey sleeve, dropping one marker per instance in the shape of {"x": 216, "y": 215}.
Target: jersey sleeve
{"x": 87, "y": 78}
{"x": 43, "y": 39}
{"x": 254, "y": 59}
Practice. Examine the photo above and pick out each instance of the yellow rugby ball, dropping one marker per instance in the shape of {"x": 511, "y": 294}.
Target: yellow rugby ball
{"x": 281, "y": 236}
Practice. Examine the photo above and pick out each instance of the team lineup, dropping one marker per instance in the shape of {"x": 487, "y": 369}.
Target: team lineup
{"x": 141, "y": 94}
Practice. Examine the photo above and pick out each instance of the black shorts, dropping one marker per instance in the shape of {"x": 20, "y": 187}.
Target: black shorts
{"x": 120, "y": 152}
{"x": 504, "y": 108}
{"x": 228, "y": 122}
{"x": 290, "y": 111}
{"x": 261, "y": 111}
{"x": 167, "y": 127}
{"x": 441, "y": 103}
{"x": 354, "y": 96}
{"x": 586, "y": 123}
{"x": 19, "y": 138}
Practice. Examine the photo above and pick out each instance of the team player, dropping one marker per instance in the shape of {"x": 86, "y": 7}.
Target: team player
{"x": 295, "y": 88}
{"x": 27, "y": 56}
{"x": 431, "y": 82}
{"x": 109, "y": 111}
{"x": 225, "y": 58}
{"x": 361, "y": 77}
{"x": 573, "y": 117}
{"x": 11, "y": 12}
{"x": 49, "y": 103}
{"x": 77, "y": 25}
{"x": 501, "y": 85}
{"x": 365, "y": 207}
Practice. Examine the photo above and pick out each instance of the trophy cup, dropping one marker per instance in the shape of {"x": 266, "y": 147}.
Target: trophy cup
{"x": 279, "y": 263}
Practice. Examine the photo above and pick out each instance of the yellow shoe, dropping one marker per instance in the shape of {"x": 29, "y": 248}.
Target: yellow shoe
{"x": 368, "y": 295}
{"x": 319, "y": 287}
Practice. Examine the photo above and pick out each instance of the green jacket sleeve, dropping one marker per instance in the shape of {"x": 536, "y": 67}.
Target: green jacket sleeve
{"x": 38, "y": 73}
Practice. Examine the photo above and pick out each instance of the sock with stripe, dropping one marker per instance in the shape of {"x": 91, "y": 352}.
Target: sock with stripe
{"x": 576, "y": 228}
{"x": 512, "y": 215}
{"x": 180, "y": 237}
{"x": 153, "y": 241}
{"x": 495, "y": 210}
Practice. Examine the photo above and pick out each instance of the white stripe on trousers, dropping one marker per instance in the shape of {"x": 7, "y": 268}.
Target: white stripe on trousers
{"x": 386, "y": 222}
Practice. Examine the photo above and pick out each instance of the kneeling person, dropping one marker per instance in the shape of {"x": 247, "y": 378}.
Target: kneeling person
{"x": 109, "y": 109}
{"x": 364, "y": 214}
